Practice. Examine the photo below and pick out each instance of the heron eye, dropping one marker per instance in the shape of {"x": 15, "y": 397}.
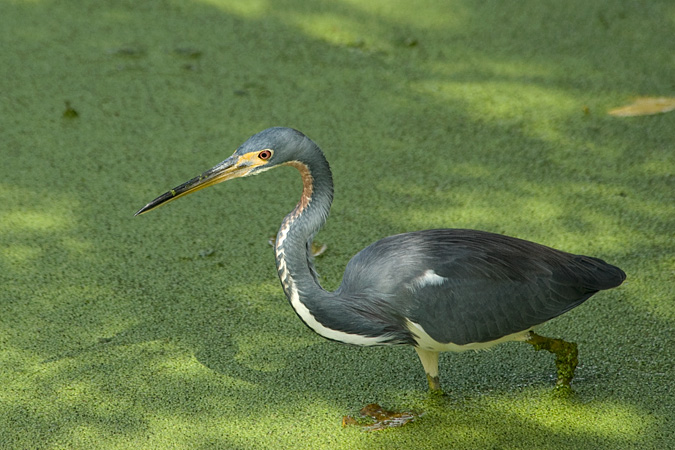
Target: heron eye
{"x": 265, "y": 155}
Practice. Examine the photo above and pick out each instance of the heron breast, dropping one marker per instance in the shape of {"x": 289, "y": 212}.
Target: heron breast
{"x": 426, "y": 342}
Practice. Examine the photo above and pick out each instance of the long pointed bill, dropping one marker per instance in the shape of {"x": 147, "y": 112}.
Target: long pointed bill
{"x": 232, "y": 167}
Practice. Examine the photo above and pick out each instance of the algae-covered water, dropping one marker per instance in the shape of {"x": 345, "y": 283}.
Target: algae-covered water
{"x": 170, "y": 330}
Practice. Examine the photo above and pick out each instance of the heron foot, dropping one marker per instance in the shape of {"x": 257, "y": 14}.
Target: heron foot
{"x": 435, "y": 385}
{"x": 566, "y": 358}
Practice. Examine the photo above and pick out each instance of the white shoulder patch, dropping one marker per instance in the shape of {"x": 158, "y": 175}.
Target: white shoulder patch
{"x": 428, "y": 278}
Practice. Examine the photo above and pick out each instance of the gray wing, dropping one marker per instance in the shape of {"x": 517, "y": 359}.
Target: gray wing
{"x": 466, "y": 286}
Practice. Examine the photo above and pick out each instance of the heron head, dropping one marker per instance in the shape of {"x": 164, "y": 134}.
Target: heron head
{"x": 262, "y": 151}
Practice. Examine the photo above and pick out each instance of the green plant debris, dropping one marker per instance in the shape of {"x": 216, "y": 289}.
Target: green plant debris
{"x": 70, "y": 112}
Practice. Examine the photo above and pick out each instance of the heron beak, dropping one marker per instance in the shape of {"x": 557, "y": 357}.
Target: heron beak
{"x": 232, "y": 167}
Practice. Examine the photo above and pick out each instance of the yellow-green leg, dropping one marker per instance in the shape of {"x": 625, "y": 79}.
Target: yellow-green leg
{"x": 566, "y": 357}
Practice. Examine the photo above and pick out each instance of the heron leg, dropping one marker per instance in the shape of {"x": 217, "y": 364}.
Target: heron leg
{"x": 429, "y": 361}
{"x": 566, "y": 356}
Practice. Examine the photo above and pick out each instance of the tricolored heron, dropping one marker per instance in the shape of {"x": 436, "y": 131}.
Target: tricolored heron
{"x": 437, "y": 290}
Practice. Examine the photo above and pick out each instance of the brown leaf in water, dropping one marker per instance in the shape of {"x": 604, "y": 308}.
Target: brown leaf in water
{"x": 645, "y": 106}
{"x": 383, "y": 418}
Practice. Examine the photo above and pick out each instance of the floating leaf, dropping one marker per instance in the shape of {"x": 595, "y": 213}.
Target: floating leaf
{"x": 128, "y": 52}
{"x": 206, "y": 252}
{"x": 188, "y": 52}
{"x": 317, "y": 248}
{"x": 645, "y": 106}
{"x": 383, "y": 418}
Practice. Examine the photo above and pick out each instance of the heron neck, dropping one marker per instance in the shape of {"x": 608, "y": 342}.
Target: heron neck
{"x": 293, "y": 243}
{"x": 336, "y": 317}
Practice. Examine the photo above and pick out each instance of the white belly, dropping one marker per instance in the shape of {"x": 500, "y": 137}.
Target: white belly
{"x": 426, "y": 342}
